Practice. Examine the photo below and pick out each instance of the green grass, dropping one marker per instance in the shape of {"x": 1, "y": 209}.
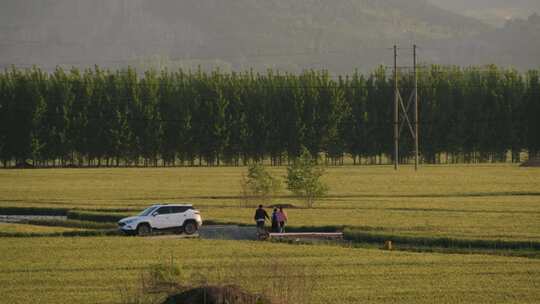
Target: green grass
{"x": 9, "y": 210}
{"x": 433, "y": 241}
{"x": 98, "y": 217}
{"x": 72, "y": 223}
{"x": 459, "y": 209}
{"x": 488, "y": 202}
{"x": 94, "y": 270}
{"x": 136, "y": 188}
{"x": 44, "y": 228}
{"x": 483, "y": 225}
{"x": 16, "y": 228}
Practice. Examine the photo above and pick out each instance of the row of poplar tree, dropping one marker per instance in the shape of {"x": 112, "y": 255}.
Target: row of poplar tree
{"x": 110, "y": 118}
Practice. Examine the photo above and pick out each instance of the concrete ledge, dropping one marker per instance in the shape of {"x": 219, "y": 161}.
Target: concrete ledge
{"x": 310, "y": 235}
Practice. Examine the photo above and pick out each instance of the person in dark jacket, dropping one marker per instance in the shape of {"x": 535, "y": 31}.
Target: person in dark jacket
{"x": 260, "y": 216}
{"x": 275, "y": 223}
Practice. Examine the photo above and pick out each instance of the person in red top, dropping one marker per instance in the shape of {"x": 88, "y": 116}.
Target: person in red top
{"x": 282, "y": 219}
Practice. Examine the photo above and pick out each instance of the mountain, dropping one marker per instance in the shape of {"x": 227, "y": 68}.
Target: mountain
{"x": 338, "y": 35}
{"x": 495, "y": 12}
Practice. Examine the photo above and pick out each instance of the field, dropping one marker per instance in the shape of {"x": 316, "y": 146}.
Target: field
{"x": 94, "y": 270}
{"x": 490, "y": 203}
{"x": 474, "y": 202}
{"x": 90, "y": 188}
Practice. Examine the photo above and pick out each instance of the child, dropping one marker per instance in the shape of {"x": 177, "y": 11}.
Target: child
{"x": 282, "y": 219}
{"x": 275, "y": 223}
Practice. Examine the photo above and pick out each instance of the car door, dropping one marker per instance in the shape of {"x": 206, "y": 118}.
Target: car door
{"x": 161, "y": 218}
{"x": 179, "y": 215}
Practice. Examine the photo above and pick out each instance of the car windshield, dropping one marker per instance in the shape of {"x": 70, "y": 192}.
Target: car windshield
{"x": 148, "y": 211}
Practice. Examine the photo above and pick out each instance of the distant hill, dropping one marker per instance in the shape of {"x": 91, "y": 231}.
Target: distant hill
{"x": 516, "y": 44}
{"x": 338, "y": 35}
{"x": 495, "y": 12}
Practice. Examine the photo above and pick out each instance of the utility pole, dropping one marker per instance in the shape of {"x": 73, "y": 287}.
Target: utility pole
{"x": 396, "y": 111}
{"x": 400, "y": 108}
{"x": 415, "y": 111}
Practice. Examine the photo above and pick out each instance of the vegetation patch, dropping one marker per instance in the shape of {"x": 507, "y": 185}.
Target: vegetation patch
{"x": 505, "y": 208}
{"x": 281, "y": 284}
{"x": 23, "y": 228}
{"x": 56, "y": 228}
{"x": 24, "y": 165}
{"x": 70, "y": 233}
{"x": 284, "y": 205}
{"x": 258, "y": 186}
{"x": 72, "y": 224}
{"x": 101, "y": 217}
{"x": 532, "y": 163}
{"x": 229, "y": 294}
{"x": 34, "y": 211}
{"x": 94, "y": 269}
{"x": 443, "y": 242}
{"x": 345, "y": 117}
{"x": 304, "y": 178}
{"x": 330, "y": 228}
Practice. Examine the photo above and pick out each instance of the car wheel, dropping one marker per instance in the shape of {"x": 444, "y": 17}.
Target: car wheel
{"x": 144, "y": 229}
{"x": 190, "y": 228}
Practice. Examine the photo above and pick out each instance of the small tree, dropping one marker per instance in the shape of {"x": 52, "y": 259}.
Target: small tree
{"x": 258, "y": 184}
{"x": 303, "y": 178}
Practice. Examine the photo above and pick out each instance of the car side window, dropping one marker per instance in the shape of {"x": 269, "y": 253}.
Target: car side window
{"x": 179, "y": 209}
{"x": 164, "y": 210}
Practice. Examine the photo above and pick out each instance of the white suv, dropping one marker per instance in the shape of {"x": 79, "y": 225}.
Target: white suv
{"x": 181, "y": 218}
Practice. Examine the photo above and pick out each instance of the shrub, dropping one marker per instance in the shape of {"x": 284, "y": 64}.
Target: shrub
{"x": 279, "y": 284}
{"x": 258, "y": 185}
{"x": 304, "y": 178}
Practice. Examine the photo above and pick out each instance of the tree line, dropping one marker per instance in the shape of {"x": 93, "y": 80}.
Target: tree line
{"x": 100, "y": 117}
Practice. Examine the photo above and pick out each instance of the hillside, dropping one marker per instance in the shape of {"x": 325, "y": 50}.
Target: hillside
{"x": 516, "y": 44}
{"x": 289, "y": 35}
{"x": 495, "y": 12}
